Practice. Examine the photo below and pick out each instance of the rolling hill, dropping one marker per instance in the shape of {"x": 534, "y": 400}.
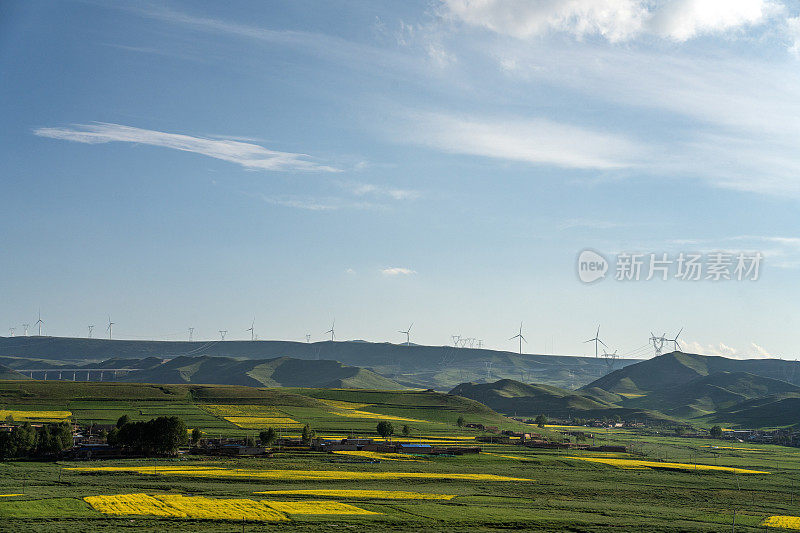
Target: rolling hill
{"x": 278, "y": 372}
{"x": 436, "y": 367}
{"x": 676, "y": 368}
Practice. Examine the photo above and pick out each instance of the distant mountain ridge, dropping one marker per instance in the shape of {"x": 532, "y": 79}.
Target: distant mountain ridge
{"x": 436, "y": 367}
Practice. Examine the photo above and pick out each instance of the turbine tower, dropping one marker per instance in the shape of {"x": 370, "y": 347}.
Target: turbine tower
{"x": 11, "y": 331}
{"x": 39, "y": 323}
{"x": 110, "y": 328}
{"x": 596, "y": 340}
{"x": 222, "y": 333}
{"x": 308, "y": 337}
{"x": 26, "y": 326}
{"x": 90, "y": 331}
{"x": 332, "y": 331}
{"x": 252, "y": 329}
{"x": 407, "y": 333}
{"x": 675, "y": 342}
{"x": 521, "y": 338}
{"x": 191, "y": 334}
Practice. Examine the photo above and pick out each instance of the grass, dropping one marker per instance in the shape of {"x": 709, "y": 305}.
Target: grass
{"x": 510, "y": 487}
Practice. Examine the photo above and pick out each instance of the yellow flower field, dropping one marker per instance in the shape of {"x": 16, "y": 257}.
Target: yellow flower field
{"x": 353, "y": 413}
{"x": 314, "y": 507}
{"x": 21, "y": 416}
{"x": 345, "y": 405}
{"x": 261, "y": 422}
{"x": 9, "y": 495}
{"x": 200, "y": 507}
{"x": 634, "y": 464}
{"x": 298, "y": 475}
{"x": 782, "y": 521}
{"x": 368, "y": 494}
{"x": 251, "y": 416}
{"x": 378, "y": 455}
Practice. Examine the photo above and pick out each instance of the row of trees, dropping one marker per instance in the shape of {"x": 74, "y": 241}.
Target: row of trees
{"x": 162, "y": 435}
{"x": 26, "y": 441}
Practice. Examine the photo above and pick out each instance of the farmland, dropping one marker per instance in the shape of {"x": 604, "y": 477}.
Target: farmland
{"x": 667, "y": 484}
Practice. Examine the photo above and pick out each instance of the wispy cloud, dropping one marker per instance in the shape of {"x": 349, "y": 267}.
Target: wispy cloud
{"x": 535, "y": 140}
{"x": 397, "y": 271}
{"x": 250, "y": 156}
{"x": 589, "y": 223}
{"x": 370, "y": 189}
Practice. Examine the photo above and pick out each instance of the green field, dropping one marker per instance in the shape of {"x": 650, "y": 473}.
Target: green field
{"x": 551, "y": 490}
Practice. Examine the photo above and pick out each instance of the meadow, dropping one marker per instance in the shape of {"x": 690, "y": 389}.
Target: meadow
{"x": 668, "y": 484}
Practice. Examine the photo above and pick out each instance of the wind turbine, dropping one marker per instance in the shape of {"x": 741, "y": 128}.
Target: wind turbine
{"x": 407, "y": 333}
{"x": 521, "y": 338}
{"x": 332, "y": 330}
{"x": 596, "y": 340}
{"x": 90, "y": 331}
{"x": 675, "y": 343}
{"x": 26, "y": 326}
{"x": 39, "y": 323}
{"x": 222, "y": 333}
{"x": 308, "y": 337}
{"x": 11, "y": 331}
{"x": 191, "y": 334}
{"x": 110, "y": 328}
{"x": 252, "y": 329}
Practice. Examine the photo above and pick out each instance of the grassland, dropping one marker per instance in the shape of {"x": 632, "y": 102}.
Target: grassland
{"x": 508, "y": 487}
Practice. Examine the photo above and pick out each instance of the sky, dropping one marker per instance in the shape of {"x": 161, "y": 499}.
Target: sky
{"x": 174, "y": 164}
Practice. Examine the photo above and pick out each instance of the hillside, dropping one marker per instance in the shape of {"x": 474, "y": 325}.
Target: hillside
{"x": 676, "y": 368}
{"x": 436, "y": 367}
{"x": 514, "y": 398}
{"x": 278, "y": 372}
{"x": 708, "y": 394}
{"x": 7, "y": 373}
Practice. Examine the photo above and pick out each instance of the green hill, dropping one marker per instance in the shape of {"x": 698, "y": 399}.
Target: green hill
{"x": 7, "y": 373}
{"x": 278, "y": 372}
{"x": 512, "y": 397}
{"x": 708, "y": 394}
{"x": 677, "y": 368}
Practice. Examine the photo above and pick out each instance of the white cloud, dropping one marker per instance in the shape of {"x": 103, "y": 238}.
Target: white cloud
{"x": 614, "y": 20}
{"x": 793, "y": 33}
{"x": 681, "y": 20}
{"x": 369, "y": 189}
{"x": 760, "y": 350}
{"x": 349, "y": 271}
{"x": 397, "y": 271}
{"x": 532, "y": 141}
{"x": 248, "y": 155}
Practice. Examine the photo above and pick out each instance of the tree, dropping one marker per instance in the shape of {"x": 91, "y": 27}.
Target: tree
{"x": 52, "y": 439}
{"x": 267, "y": 437}
{"x": 196, "y": 435}
{"x": 250, "y": 441}
{"x": 540, "y": 421}
{"x": 124, "y": 419}
{"x": 460, "y": 422}
{"x": 716, "y": 432}
{"x": 385, "y": 429}
{"x": 307, "y": 435}
{"x": 406, "y": 430}
{"x": 162, "y": 435}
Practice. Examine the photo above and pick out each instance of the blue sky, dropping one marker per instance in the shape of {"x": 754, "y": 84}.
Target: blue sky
{"x": 443, "y": 162}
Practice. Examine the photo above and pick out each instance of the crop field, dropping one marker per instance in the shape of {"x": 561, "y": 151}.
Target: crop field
{"x": 666, "y": 484}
